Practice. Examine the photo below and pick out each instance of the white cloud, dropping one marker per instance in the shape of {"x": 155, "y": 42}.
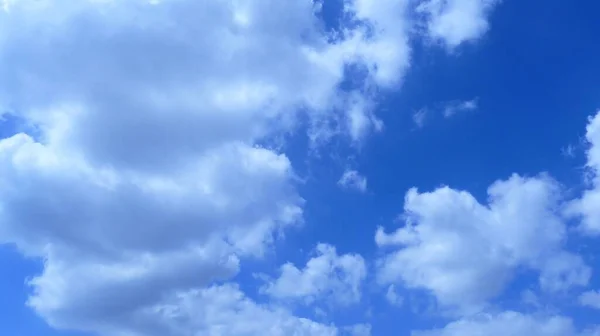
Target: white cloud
{"x": 465, "y": 253}
{"x": 116, "y": 243}
{"x": 393, "y": 297}
{"x": 447, "y": 109}
{"x": 145, "y": 180}
{"x": 360, "y": 120}
{"x": 352, "y": 179}
{"x": 454, "y": 107}
{"x": 419, "y": 117}
{"x": 328, "y": 276}
{"x": 587, "y": 206}
{"x": 453, "y": 22}
{"x": 509, "y": 323}
{"x": 590, "y": 299}
{"x": 593, "y": 137}
{"x": 385, "y": 29}
{"x": 143, "y": 184}
{"x": 224, "y": 311}
{"x": 153, "y": 61}
{"x": 568, "y": 151}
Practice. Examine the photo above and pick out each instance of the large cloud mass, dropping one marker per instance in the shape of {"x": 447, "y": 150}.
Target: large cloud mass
{"x": 141, "y": 183}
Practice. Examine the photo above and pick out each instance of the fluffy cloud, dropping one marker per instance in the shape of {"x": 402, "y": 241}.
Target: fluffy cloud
{"x": 216, "y": 310}
{"x": 352, "y": 179}
{"x": 141, "y": 183}
{"x": 509, "y": 323}
{"x": 384, "y": 26}
{"x": 131, "y": 64}
{"x": 419, "y": 117}
{"x": 328, "y": 276}
{"x": 116, "y": 243}
{"x": 465, "y": 252}
{"x": 453, "y": 22}
{"x": 587, "y": 206}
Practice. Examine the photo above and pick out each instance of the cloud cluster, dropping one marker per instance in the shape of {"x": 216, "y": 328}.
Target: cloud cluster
{"x": 465, "y": 253}
{"x": 142, "y": 185}
{"x": 337, "y": 279}
{"x": 220, "y": 310}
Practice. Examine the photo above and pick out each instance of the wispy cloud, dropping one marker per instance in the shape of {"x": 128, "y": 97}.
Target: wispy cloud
{"x": 454, "y": 107}
{"x": 419, "y": 117}
{"x": 447, "y": 109}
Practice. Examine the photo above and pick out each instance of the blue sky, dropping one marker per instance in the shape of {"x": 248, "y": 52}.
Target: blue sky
{"x": 390, "y": 167}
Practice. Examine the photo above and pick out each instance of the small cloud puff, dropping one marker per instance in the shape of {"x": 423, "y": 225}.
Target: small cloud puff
{"x": 352, "y": 179}
{"x": 454, "y": 107}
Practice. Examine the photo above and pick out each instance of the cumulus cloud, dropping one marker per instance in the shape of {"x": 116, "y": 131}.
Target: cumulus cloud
{"x": 144, "y": 180}
{"x": 337, "y": 279}
{"x": 453, "y": 22}
{"x": 143, "y": 183}
{"x": 509, "y": 323}
{"x": 587, "y": 207}
{"x": 464, "y": 252}
{"x": 359, "y": 330}
{"x": 384, "y": 26}
{"x": 352, "y": 179}
{"x": 116, "y": 243}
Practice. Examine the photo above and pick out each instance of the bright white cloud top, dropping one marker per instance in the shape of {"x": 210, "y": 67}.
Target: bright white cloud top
{"x": 454, "y": 21}
{"x": 465, "y": 252}
{"x": 145, "y": 182}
